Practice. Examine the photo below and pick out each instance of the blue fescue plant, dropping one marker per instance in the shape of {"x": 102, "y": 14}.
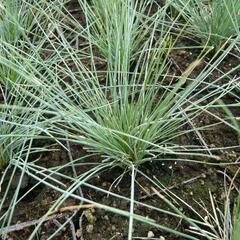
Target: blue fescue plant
{"x": 25, "y": 26}
{"x": 128, "y": 115}
{"x": 214, "y": 22}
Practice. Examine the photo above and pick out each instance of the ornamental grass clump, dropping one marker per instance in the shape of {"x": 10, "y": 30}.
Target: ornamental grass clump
{"x": 214, "y": 22}
{"x": 14, "y": 20}
{"x": 129, "y": 115}
{"x": 27, "y": 20}
{"x": 121, "y": 26}
{"x": 23, "y": 33}
{"x": 26, "y": 33}
{"x": 20, "y": 125}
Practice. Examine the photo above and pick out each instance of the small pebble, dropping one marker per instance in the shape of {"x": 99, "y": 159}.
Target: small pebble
{"x": 104, "y": 184}
{"x": 150, "y": 234}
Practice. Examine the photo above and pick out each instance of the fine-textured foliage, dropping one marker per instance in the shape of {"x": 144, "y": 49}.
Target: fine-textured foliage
{"x": 21, "y": 19}
{"x": 118, "y": 28}
{"x": 25, "y": 28}
{"x": 214, "y": 22}
{"x": 15, "y": 20}
{"x": 16, "y": 124}
{"x": 104, "y": 86}
{"x": 18, "y": 128}
{"x": 129, "y": 115}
